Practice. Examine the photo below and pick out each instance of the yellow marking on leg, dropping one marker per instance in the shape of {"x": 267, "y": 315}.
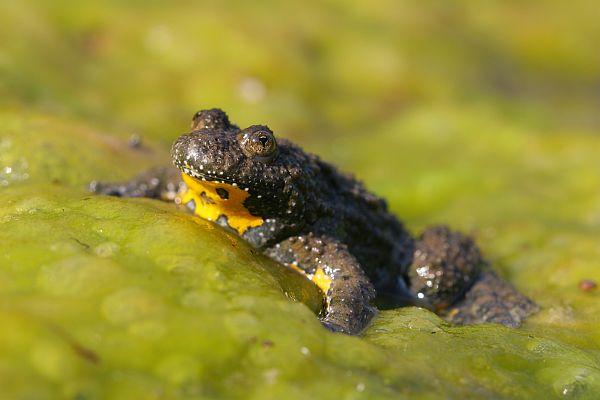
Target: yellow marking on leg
{"x": 210, "y": 206}
{"x": 321, "y": 280}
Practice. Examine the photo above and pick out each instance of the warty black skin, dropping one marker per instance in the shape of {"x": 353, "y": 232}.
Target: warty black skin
{"x": 316, "y": 217}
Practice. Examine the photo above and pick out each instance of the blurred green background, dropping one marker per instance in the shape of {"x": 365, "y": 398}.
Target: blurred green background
{"x": 308, "y": 68}
{"x": 482, "y": 115}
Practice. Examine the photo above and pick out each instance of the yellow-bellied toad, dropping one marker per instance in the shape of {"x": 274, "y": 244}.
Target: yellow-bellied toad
{"x": 304, "y": 213}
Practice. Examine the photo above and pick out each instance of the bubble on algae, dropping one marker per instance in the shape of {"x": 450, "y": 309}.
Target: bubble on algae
{"x": 201, "y": 299}
{"x": 51, "y": 359}
{"x": 66, "y": 247}
{"x": 129, "y": 305}
{"x": 159, "y": 39}
{"x": 78, "y": 276}
{"x": 185, "y": 265}
{"x": 179, "y": 368}
{"x": 148, "y": 329}
{"x": 270, "y": 376}
{"x": 241, "y": 323}
{"x": 106, "y": 249}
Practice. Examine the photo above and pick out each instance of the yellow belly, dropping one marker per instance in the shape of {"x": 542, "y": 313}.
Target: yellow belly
{"x": 210, "y": 206}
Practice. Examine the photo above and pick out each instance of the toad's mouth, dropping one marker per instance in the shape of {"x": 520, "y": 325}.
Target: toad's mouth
{"x": 213, "y": 198}
{"x": 204, "y": 176}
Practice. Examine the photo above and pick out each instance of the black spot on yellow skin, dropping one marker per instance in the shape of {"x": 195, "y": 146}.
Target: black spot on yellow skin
{"x": 206, "y": 199}
{"x": 210, "y": 205}
{"x": 223, "y": 193}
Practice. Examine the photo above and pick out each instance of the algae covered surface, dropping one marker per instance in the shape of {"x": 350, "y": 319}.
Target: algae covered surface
{"x": 480, "y": 116}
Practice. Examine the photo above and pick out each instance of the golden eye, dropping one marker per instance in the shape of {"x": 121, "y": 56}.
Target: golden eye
{"x": 263, "y": 144}
{"x": 259, "y": 142}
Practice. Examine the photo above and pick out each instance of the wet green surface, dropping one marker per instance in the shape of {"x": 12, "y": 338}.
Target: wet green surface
{"x": 482, "y": 117}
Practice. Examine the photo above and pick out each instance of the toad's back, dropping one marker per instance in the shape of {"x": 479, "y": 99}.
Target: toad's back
{"x": 361, "y": 220}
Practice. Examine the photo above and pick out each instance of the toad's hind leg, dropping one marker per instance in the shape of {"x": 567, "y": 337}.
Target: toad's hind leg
{"x": 348, "y": 291}
{"x": 162, "y": 183}
{"x": 449, "y": 273}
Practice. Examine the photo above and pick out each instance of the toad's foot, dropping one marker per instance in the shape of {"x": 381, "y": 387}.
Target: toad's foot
{"x": 449, "y": 273}
{"x": 491, "y": 299}
{"x": 348, "y": 291}
{"x": 156, "y": 183}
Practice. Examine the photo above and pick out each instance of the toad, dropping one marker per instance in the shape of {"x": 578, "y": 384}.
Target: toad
{"x": 309, "y": 216}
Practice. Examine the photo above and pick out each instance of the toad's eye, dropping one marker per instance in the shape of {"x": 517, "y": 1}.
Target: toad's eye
{"x": 258, "y": 141}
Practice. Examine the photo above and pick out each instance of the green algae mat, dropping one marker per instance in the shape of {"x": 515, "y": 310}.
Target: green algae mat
{"x": 481, "y": 116}
{"x": 112, "y": 298}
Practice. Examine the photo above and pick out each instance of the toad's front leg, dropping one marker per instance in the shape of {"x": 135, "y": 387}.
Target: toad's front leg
{"x": 163, "y": 183}
{"x": 348, "y": 291}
